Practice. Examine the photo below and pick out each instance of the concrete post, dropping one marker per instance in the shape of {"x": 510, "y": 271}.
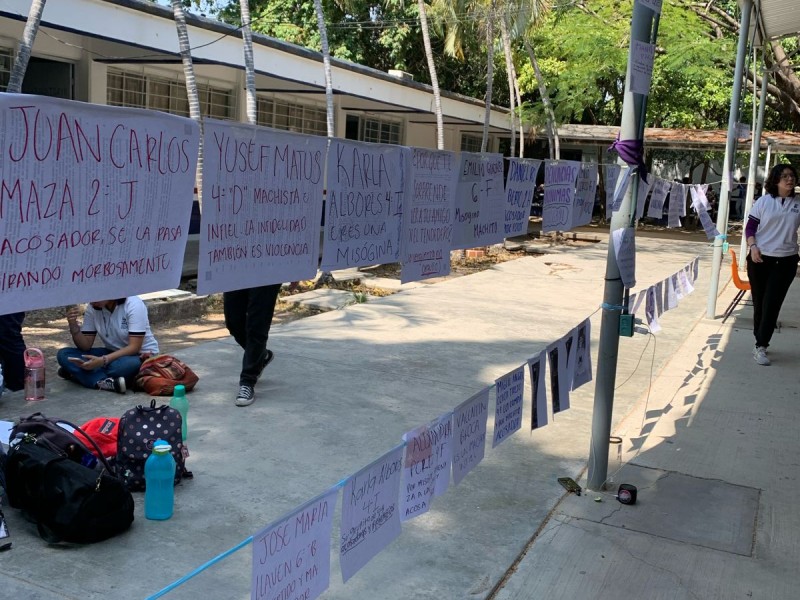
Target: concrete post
{"x": 730, "y": 153}
{"x": 631, "y": 128}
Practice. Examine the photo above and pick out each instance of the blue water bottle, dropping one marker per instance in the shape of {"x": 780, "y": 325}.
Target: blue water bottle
{"x": 159, "y": 477}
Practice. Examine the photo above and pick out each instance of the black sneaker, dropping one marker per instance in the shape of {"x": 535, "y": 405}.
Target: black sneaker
{"x": 246, "y": 395}
{"x": 64, "y": 374}
{"x": 112, "y": 384}
{"x": 267, "y": 359}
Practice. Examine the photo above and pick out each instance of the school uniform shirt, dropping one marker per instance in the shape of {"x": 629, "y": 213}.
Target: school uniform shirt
{"x": 115, "y": 327}
{"x": 778, "y": 220}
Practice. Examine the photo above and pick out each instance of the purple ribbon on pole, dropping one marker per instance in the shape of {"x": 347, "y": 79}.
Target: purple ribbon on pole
{"x": 632, "y": 152}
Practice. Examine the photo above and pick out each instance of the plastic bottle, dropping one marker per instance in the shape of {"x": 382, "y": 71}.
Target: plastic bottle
{"x": 34, "y": 374}
{"x": 159, "y": 477}
{"x": 180, "y": 403}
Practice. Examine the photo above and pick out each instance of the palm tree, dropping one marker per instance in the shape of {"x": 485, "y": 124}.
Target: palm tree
{"x": 489, "y": 73}
{"x": 249, "y": 64}
{"x": 25, "y": 45}
{"x": 326, "y": 63}
{"x": 191, "y": 86}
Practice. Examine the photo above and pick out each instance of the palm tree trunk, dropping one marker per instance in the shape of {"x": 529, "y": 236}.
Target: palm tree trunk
{"x": 437, "y": 99}
{"x": 326, "y": 62}
{"x": 25, "y": 45}
{"x": 521, "y": 126}
{"x": 552, "y": 130}
{"x": 489, "y": 75}
{"x": 510, "y": 74}
{"x": 249, "y": 64}
{"x": 191, "y": 87}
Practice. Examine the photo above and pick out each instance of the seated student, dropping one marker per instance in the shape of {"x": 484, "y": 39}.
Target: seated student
{"x": 12, "y": 349}
{"x": 124, "y": 331}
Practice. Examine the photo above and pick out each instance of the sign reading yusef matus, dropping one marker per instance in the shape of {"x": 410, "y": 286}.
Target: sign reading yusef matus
{"x": 92, "y": 198}
{"x": 262, "y": 198}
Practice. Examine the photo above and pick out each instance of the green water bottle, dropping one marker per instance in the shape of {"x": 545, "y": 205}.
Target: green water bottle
{"x": 180, "y": 403}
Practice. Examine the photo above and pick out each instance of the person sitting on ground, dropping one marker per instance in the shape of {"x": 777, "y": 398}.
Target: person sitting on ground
{"x": 124, "y": 330}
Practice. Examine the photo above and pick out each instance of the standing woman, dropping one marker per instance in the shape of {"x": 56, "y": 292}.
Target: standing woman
{"x": 771, "y": 234}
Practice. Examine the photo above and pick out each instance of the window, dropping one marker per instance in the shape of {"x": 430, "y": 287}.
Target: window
{"x": 6, "y": 62}
{"x": 471, "y": 143}
{"x": 300, "y": 118}
{"x": 380, "y": 131}
{"x": 164, "y": 94}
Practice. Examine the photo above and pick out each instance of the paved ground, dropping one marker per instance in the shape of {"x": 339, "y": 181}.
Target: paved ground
{"x": 708, "y": 436}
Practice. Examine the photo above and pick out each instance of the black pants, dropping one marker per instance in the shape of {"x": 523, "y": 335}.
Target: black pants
{"x": 12, "y": 350}
{"x": 248, "y": 316}
{"x": 769, "y": 283}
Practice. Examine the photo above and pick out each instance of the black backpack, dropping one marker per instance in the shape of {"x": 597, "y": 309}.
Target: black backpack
{"x": 68, "y": 501}
{"x": 139, "y": 428}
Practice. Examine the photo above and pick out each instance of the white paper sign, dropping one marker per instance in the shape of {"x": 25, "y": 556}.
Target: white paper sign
{"x": 622, "y": 187}
{"x": 695, "y": 268}
{"x": 520, "y": 185}
{"x": 671, "y": 297}
{"x": 641, "y": 59}
{"x": 508, "y": 404}
{"x": 370, "y": 512}
{"x": 367, "y": 184}
{"x": 291, "y": 558}
{"x": 611, "y": 175}
{"x": 559, "y": 194}
{"x": 657, "y": 197}
{"x": 639, "y": 300}
{"x": 560, "y": 377}
{"x": 92, "y": 199}
{"x": 585, "y": 191}
{"x": 708, "y": 225}
{"x": 469, "y": 441}
{"x": 428, "y": 219}
{"x": 677, "y": 197}
{"x": 641, "y": 196}
{"x": 651, "y": 310}
{"x": 536, "y": 368}
{"x": 659, "y": 298}
{"x": 426, "y": 466}
{"x": 262, "y": 192}
{"x": 624, "y": 240}
{"x": 686, "y": 282}
{"x": 479, "y": 214}
{"x": 698, "y": 194}
{"x": 582, "y": 372}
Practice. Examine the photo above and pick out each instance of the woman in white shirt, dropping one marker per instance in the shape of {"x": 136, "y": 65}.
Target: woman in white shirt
{"x": 124, "y": 330}
{"x": 771, "y": 234}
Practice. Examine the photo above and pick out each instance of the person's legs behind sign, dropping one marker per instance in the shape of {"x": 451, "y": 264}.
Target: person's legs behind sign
{"x": 12, "y": 351}
{"x": 248, "y": 316}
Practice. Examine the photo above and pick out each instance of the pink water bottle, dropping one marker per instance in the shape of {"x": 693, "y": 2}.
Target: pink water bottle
{"x": 34, "y": 374}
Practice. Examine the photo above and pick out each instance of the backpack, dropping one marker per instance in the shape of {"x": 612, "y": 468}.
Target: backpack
{"x": 159, "y": 375}
{"x": 138, "y": 430}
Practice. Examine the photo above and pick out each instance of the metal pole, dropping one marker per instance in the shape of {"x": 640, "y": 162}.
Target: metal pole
{"x": 730, "y": 153}
{"x": 754, "y": 151}
{"x": 630, "y": 128}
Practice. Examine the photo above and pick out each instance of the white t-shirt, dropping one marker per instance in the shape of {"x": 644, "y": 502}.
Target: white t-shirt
{"x": 117, "y": 326}
{"x": 778, "y": 220}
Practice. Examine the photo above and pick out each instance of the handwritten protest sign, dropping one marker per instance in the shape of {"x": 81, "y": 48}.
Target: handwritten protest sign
{"x": 508, "y": 404}
{"x": 622, "y": 188}
{"x": 291, "y": 557}
{"x": 469, "y": 435}
{"x": 582, "y": 372}
{"x": 479, "y": 201}
{"x": 367, "y": 184}
{"x": 560, "y": 375}
{"x": 701, "y": 205}
{"x": 677, "y": 197}
{"x": 670, "y": 295}
{"x": 585, "y": 191}
{"x": 520, "y": 185}
{"x": 426, "y": 466}
{"x": 651, "y": 310}
{"x": 262, "y": 192}
{"x": 536, "y": 367}
{"x": 559, "y": 194}
{"x": 687, "y": 279}
{"x": 642, "y": 189}
{"x": 611, "y": 173}
{"x": 657, "y": 197}
{"x": 428, "y": 219}
{"x": 92, "y": 199}
{"x": 641, "y": 66}
{"x": 370, "y": 512}
{"x": 624, "y": 240}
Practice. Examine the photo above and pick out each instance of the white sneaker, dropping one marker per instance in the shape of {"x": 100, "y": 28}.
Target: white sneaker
{"x": 760, "y": 355}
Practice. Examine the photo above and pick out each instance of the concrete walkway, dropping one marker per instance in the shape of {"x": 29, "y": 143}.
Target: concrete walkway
{"x": 345, "y": 385}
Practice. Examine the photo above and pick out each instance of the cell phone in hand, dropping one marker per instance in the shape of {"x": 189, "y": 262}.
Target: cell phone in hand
{"x": 76, "y": 359}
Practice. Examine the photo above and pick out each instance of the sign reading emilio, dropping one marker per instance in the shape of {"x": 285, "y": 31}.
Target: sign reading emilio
{"x": 91, "y": 195}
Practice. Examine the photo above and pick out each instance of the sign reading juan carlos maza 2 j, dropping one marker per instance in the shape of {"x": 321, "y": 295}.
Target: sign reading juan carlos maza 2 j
{"x": 91, "y": 197}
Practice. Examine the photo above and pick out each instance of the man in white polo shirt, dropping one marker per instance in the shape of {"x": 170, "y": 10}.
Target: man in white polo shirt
{"x": 124, "y": 330}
